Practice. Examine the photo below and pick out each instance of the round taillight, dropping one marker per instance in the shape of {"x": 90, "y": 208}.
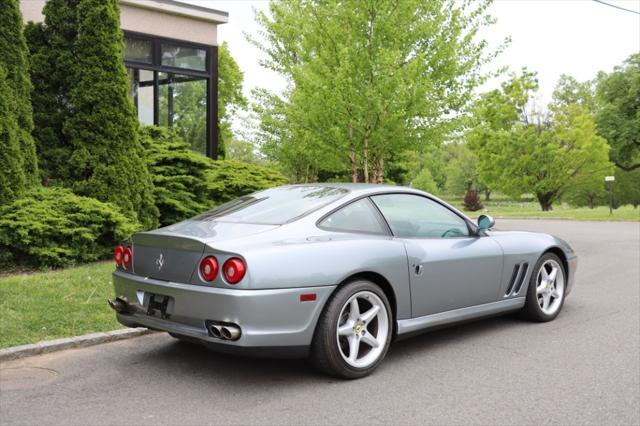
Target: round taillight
{"x": 127, "y": 257}
{"x": 209, "y": 268}
{"x": 118, "y": 254}
{"x": 234, "y": 270}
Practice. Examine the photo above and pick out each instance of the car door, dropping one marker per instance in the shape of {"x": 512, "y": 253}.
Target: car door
{"x": 448, "y": 267}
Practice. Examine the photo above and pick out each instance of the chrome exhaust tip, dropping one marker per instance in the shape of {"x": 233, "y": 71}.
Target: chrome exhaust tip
{"x": 120, "y": 305}
{"x": 230, "y": 332}
{"x": 216, "y": 331}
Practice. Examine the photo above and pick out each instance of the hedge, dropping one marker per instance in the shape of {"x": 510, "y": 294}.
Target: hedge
{"x": 53, "y": 227}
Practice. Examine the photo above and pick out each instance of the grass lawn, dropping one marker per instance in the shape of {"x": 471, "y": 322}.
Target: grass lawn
{"x": 531, "y": 210}
{"x": 49, "y": 305}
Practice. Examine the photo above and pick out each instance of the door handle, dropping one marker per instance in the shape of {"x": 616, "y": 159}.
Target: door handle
{"x": 417, "y": 269}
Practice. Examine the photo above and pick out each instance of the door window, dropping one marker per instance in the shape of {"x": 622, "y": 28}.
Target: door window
{"x": 414, "y": 216}
{"x": 355, "y": 217}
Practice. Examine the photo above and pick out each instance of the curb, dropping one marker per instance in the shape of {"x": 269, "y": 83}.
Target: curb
{"x": 83, "y": 341}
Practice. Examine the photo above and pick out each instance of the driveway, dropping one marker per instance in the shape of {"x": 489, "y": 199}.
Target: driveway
{"x": 582, "y": 368}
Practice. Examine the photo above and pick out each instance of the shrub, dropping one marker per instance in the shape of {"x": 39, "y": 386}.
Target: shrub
{"x": 188, "y": 183}
{"x": 178, "y": 174}
{"x": 472, "y": 201}
{"x": 229, "y": 179}
{"x": 54, "y": 227}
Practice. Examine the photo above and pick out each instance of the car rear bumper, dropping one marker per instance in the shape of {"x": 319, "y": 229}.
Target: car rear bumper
{"x": 273, "y": 318}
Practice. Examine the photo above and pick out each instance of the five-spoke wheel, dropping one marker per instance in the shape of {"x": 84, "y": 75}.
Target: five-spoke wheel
{"x": 353, "y": 332}
{"x": 545, "y": 295}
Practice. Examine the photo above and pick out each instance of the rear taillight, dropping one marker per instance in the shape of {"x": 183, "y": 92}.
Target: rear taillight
{"x": 234, "y": 270}
{"x": 118, "y": 254}
{"x": 127, "y": 257}
{"x": 209, "y": 268}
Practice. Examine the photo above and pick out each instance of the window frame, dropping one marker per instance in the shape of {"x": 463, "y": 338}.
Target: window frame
{"x": 386, "y": 231}
{"x": 210, "y": 74}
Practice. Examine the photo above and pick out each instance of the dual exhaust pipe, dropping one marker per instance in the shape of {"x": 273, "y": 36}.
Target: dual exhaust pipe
{"x": 224, "y": 331}
{"x": 120, "y": 305}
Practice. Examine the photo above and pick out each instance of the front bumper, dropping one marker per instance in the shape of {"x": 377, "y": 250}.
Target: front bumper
{"x": 268, "y": 318}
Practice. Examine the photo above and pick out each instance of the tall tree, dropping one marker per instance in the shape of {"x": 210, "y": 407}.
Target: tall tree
{"x": 106, "y": 161}
{"x": 618, "y": 115}
{"x": 53, "y": 59}
{"x": 366, "y": 80}
{"x": 544, "y": 154}
{"x": 18, "y": 163}
{"x": 230, "y": 97}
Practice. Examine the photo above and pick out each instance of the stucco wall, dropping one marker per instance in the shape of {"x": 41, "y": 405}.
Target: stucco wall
{"x": 145, "y": 21}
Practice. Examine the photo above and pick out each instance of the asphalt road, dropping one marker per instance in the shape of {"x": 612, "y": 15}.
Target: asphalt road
{"x": 582, "y": 368}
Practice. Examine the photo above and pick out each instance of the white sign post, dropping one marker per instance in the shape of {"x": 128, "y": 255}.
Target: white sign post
{"x": 610, "y": 179}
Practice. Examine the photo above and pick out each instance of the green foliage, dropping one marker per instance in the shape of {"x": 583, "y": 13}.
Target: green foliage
{"x": 178, "y": 173}
{"x": 229, "y": 179}
{"x": 106, "y": 161}
{"x": 366, "y": 82}
{"x": 626, "y": 188}
{"x": 53, "y": 61}
{"x": 547, "y": 158}
{"x": 462, "y": 170}
{"x": 618, "y": 115}
{"x": 51, "y": 227}
{"x": 230, "y": 97}
{"x": 188, "y": 183}
{"x": 18, "y": 164}
{"x": 424, "y": 181}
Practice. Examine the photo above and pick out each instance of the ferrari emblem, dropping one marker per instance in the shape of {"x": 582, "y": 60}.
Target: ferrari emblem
{"x": 160, "y": 261}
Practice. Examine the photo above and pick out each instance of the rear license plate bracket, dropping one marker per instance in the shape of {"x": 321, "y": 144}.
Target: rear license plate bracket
{"x": 158, "y": 304}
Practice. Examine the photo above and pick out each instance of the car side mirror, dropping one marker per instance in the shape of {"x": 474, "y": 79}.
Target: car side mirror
{"x": 485, "y": 222}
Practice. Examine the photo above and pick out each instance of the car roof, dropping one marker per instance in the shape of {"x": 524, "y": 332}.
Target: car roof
{"x": 361, "y": 188}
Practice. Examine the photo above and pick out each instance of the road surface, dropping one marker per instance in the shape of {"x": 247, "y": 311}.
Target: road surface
{"x": 582, "y": 368}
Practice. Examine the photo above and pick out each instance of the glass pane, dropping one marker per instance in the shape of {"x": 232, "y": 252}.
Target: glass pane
{"x": 413, "y": 216}
{"x": 141, "y": 93}
{"x": 184, "y": 57}
{"x": 275, "y": 206}
{"x": 183, "y": 106}
{"x": 138, "y": 50}
{"x": 356, "y": 217}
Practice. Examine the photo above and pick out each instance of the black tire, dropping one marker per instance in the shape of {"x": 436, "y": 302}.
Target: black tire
{"x": 532, "y": 310}
{"x": 325, "y": 354}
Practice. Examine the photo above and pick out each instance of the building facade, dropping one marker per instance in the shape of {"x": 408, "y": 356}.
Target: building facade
{"x": 171, "y": 55}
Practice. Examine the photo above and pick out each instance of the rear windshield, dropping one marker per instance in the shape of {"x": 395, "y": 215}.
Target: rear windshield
{"x": 274, "y": 206}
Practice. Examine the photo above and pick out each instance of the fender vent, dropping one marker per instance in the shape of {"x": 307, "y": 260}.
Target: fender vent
{"x": 517, "y": 278}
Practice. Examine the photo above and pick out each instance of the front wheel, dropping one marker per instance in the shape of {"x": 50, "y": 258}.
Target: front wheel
{"x": 545, "y": 295}
{"x": 353, "y": 332}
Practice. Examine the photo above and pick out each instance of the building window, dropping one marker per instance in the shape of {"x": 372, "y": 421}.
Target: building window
{"x": 174, "y": 84}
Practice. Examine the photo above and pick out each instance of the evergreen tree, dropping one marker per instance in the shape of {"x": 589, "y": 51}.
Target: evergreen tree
{"x": 53, "y": 58}
{"x": 18, "y": 164}
{"x": 106, "y": 161}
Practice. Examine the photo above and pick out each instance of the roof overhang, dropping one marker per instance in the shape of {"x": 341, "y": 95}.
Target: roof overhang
{"x": 178, "y": 8}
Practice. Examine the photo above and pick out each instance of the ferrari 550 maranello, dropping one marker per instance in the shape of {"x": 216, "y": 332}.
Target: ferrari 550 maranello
{"x": 333, "y": 272}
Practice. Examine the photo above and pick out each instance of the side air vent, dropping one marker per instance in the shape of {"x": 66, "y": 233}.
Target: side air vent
{"x": 517, "y": 279}
{"x": 523, "y": 273}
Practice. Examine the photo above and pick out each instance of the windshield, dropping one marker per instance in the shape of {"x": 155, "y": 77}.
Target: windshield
{"x": 274, "y": 206}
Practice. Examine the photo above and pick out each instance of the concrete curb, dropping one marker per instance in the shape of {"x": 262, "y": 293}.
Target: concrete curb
{"x": 47, "y": 346}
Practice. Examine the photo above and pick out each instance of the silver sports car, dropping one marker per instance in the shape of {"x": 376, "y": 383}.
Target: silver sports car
{"x": 334, "y": 272}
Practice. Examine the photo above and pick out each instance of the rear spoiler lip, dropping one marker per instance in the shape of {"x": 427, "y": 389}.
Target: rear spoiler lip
{"x": 180, "y": 242}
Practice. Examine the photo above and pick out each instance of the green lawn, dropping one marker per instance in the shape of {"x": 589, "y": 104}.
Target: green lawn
{"x": 528, "y": 209}
{"x": 49, "y": 305}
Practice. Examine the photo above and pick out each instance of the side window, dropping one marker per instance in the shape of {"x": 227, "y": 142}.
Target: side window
{"x": 355, "y": 217}
{"x": 414, "y": 216}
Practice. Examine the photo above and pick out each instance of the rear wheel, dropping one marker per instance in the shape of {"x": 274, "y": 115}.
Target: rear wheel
{"x": 354, "y": 331}
{"x": 545, "y": 295}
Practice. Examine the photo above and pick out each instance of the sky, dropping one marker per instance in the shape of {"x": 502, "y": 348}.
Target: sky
{"x": 551, "y": 37}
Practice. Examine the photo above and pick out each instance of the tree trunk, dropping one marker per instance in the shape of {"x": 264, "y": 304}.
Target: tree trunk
{"x": 352, "y": 156}
{"x": 487, "y": 195}
{"x": 365, "y": 160}
{"x": 545, "y": 201}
